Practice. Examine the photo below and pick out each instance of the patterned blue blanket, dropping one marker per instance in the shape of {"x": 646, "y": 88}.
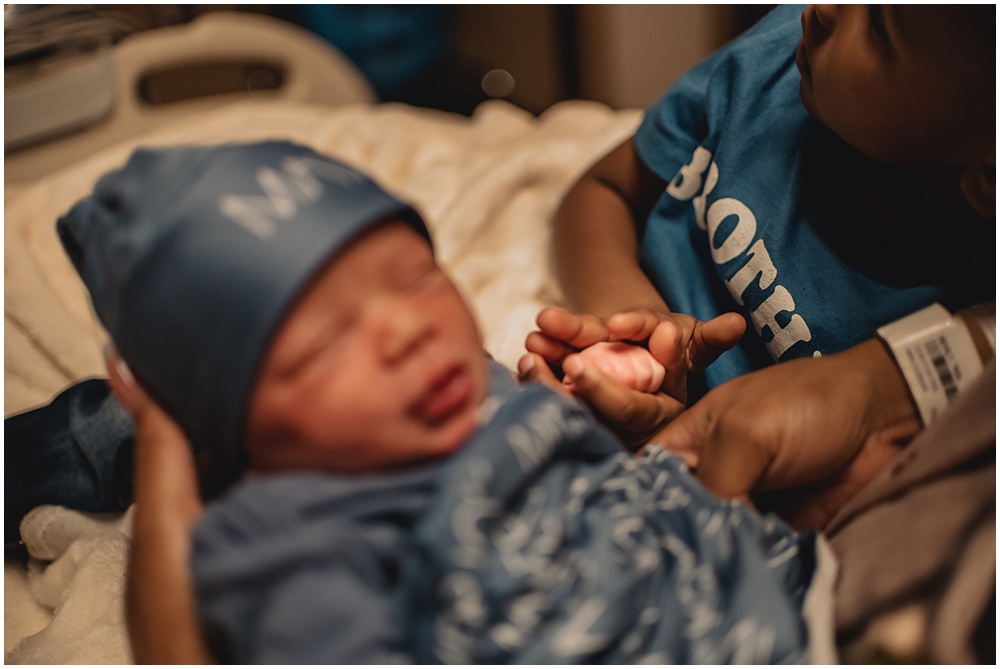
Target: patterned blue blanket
{"x": 540, "y": 542}
{"x": 543, "y": 542}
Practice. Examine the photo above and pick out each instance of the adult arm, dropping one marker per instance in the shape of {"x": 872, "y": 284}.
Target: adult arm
{"x": 162, "y": 623}
{"x": 160, "y": 596}
{"x": 817, "y": 430}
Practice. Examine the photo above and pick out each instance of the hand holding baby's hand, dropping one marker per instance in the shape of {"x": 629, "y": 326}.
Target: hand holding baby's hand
{"x": 680, "y": 344}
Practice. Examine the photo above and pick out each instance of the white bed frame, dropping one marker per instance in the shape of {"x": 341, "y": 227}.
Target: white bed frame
{"x": 93, "y": 101}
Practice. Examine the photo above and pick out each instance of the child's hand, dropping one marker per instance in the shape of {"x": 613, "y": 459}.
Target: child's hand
{"x": 680, "y": 343}
{"x": 632, "y": 414}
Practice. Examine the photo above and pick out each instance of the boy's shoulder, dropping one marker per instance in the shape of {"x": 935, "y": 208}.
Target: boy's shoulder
{"x": 779, "y": 17}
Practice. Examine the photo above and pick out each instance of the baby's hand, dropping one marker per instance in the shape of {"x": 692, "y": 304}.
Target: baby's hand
{"x": 629, "y": 364}
{"x": 681, "y": 344}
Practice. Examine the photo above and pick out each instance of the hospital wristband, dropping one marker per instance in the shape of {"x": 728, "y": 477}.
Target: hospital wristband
{"x": 936, "y": 355}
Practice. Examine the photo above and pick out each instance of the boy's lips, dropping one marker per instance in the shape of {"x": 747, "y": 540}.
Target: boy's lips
{"x": 447, "y": 392}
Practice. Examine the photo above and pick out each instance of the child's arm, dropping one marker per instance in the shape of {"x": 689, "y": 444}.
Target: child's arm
{"x": 596, "y": 240}
{"x": 596, "y": 235}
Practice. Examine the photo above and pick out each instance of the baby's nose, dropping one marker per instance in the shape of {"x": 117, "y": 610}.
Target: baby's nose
{"x": 399, "y": 329}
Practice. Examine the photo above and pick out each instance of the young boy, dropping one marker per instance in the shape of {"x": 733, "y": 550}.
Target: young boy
{"x": 826, "y": 173}
{"x": 398, "y": 496}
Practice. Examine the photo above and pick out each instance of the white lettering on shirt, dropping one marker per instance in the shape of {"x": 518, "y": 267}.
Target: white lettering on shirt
{"x": 695, "y": 181}
{"x": 687, "y": 182}
{"x": 758, "y": 264}
{"x": 740, "y": 237}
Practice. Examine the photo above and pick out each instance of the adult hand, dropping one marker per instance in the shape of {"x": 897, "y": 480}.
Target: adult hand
{"x": 683, "y": 344}
{"x": 818, "y": 429}
{"x": 161, "y": 617}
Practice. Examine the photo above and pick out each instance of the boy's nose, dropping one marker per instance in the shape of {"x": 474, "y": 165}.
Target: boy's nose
{"x": 826, "y": 15}
{"x": 398, "y": 329}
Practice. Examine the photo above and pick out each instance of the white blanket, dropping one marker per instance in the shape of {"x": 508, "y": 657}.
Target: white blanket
{"x": 487, "y": 186}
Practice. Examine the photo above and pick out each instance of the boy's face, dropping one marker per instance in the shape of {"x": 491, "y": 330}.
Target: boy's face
{"x": 899, "y": 83}
{"x": 380, "y": 363}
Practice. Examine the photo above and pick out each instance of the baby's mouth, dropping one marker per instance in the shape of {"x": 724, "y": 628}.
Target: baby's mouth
{"x": 447, "y": 393}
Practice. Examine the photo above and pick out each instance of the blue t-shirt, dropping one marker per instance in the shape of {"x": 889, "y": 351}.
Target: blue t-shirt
{"x": 763, "y": 215}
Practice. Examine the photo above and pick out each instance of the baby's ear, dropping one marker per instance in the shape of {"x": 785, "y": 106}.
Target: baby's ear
{"x": 979, "y": 185}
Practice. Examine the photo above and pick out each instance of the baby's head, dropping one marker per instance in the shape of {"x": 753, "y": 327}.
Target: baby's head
{"x": 281, "y": 306}
{"x": 907, "y": 85}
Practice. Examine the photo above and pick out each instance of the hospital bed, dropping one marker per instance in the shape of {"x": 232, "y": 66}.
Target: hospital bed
{"x": 487, "y": 185}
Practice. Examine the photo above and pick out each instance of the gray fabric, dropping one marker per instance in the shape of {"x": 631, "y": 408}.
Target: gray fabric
{"x": 917, "y": 547}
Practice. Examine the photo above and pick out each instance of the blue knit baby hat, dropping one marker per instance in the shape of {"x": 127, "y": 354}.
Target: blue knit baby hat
{"x": 193, "y": 256}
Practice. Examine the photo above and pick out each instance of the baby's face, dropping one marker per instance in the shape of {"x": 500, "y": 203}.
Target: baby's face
{"x": 899, "y": 83}
{"x": 379, "y": 364}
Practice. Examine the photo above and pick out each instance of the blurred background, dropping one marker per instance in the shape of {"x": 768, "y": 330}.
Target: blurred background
{"x": 449, "y": 57}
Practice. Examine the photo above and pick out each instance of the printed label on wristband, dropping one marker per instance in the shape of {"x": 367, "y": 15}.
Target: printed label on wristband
{"x": 936, "y": 355}
{"x": 932, "y": 373}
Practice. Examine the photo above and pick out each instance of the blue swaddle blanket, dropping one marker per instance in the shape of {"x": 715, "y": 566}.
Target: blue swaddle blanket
{"x": 544, "y": 542}
{"x": 540, "y": 542}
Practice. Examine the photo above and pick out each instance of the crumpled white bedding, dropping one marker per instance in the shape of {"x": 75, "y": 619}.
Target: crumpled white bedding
{"x": 487, "y": 186}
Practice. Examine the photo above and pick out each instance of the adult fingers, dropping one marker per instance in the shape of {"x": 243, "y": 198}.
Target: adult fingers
{"x": 728, "y": 462}
{"x": 123, "y": 384}
{"x": 684, "y": 435}
{"x": 165, "y": 471}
